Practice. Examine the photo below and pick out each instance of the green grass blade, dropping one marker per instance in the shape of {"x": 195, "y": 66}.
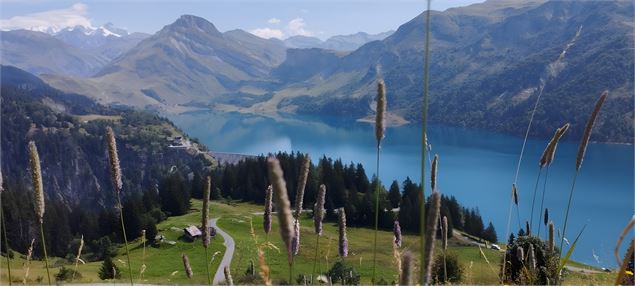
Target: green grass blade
{"x": 564, "y": 260}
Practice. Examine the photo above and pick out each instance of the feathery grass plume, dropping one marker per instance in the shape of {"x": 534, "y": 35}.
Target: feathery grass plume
{"x": 546, "y": 217}
{"x": 396, "y": 257}
{"x": 228, "y": 276}
{"x": 318, "y": 215}
{"x": 444, "y": 234}
{"x": 405, "y": 278}
{"x": 396, "y": 230}
{"x": 295, "y": 242}
{"x": 343, "y": 242}
{"x": 433, "y": 218}
{"x": 262, "y": 263}
{"x": 38, "y": 187}
{"x": 551, "y": 236}
{"x": 520, "y": 254}
{"x": 186, "y": 265}
{"x": 115, "y": 173}
{"x": 581, "y": 151}
{"x": 380, "y": 128}
{"x": 531, "y": 257}
{"x": 380, "y": 112}
{"x": 304, "y": 175}
{"x": 515, "y": 194}
{"x": 433, "y": 173}
{"x": 527, "y": 228}
{"x": 268, "y": 209}
{"x": 587, "y": 130}
{"x": 38, "y": 190}
{"x": 285, "y": 218}
{"x": 205, "y": 236}
{"x": 115, "y": 169}
{"x": 27, "y": 264}
{"x": 205, "y": 212}
{"x": 78, "y": 257}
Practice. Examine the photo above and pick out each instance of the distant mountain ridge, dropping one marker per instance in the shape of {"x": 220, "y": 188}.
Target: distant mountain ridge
{"x": 487, "y": 62}
{"x": 338, "y": 43}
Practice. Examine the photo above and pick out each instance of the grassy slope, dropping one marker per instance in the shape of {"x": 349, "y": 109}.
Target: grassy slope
{"x": 161, "y": 263}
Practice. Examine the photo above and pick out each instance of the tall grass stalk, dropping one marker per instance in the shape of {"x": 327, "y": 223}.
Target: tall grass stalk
{"x": 433, "y": 218}
{"x": 38, "y": 191}
{"x": 380, "y": 128}
{"x": 581, "y": 151}
{"x": 285, "y": 218}
{"x": 115, "y": 173}
{"x": 205, "y": 224}
{"x": 318, "y": 216}
{"x": 444, "y": 236}
{"x": 4, "y": 230}
{"x": 27, "y": 264}
{"x": 78, "y": 257}
{"x": 424, "y": 131}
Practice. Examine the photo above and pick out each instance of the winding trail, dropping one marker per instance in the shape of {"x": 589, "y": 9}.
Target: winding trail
{"x": 229, "y": 252}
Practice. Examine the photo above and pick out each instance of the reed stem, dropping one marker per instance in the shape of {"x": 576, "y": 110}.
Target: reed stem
{"x": 566, "y": 216}
{"x": 4, "y": 237}
{"x": 315, "y": 260}
{"x": 125, "y": 238}
{"x": 376, "y": 218}
{"x": 209, "y": 279}
{"x": 542, "y": 200}
{"x": 533, "y": 201}
{"x": 46, "y": 260}
{"x": 424, "y": 119}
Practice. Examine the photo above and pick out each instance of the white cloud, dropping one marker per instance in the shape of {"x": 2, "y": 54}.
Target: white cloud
{"x": 268, "y": 33}
{"x": 273, "y": 21}
{"x": 50, "y": 21}
{"x": 296, "y": 28}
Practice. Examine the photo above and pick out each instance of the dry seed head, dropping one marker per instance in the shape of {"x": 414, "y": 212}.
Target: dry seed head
{"x": 550, "y": 151}
{"x": 285, "y": 218}
{"x": 268, "y": 209}
{"x": 318, "y": 214}
{"x": 406, "y": 269}
{"x": 36, "y": 176}
{"x": 587, "y": 130}
{"x": 304, "y": 175}
{"x": 295, "y": 245}
{"x": 531, "y": 257}
{"x": 515, "y": 194}
{"x": 546, "y": 220}
{"x": 380, "y": 112}
{"x": 551, "y": 236}
{"x": 115, "y": 169}
{"x": 433, "y": 173}
{"x": 343, "y": 242}
{"x": 205, "y": 212}
{"x": 186, "y": 265}
{"x": 264, "y": 268}
{"x": 527, "y": 229}
{"x": 520, "y": 253}
{"x": 396, "y": 229}
{"x": 431, "y": 230}
{"x": 445, "y": 233}
{"x": 229, "y": 281}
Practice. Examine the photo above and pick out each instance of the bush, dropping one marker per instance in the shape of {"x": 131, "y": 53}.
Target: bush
{"x": 109, "y": 270}
{"x": 344, "y": 273}
{"x": 66, "y": 274}
{"x": 519, "y": 271}
{"x": 452, "y": 266}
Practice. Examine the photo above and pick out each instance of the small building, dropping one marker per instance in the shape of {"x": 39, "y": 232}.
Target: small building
{"x": 192, "y": 232}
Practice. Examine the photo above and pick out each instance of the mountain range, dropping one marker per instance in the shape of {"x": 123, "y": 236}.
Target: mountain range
{"x": 488, "y": 64}
{"x": 338, "y": 43}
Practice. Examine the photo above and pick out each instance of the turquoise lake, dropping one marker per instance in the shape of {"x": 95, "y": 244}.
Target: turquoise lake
{"x": 476, "y": 166}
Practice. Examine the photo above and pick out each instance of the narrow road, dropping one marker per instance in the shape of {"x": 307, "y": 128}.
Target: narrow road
{"x": 229, "y": 252}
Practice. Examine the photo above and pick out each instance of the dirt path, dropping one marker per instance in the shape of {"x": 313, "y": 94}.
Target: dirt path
{"x": 227, "y": 257}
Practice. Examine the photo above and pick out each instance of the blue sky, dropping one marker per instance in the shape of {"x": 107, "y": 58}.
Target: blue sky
{"x": 266, "y": 18}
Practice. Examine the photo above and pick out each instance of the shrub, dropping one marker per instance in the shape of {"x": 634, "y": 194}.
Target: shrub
{"x": 344, "y": 273}
{"x": 109, "y": 270}
{"x": 518, "y": 269}
{"x": 66, "y": 274}
{"x": 453, "y": 268}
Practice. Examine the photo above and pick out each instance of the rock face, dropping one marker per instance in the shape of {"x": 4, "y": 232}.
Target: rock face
{"x": 69, "y": 132}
